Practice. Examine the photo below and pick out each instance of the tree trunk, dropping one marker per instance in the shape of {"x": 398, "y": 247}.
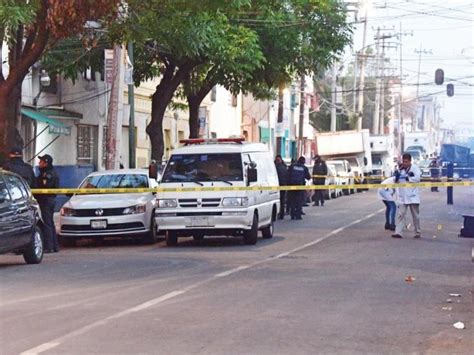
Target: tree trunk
{"x": 163, "y": 95}
{"x": 8, "y": 117}
{"x": 193, "y": 106}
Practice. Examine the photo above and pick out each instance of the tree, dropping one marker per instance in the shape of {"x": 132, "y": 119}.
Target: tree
{"x": 30, "y": 28}
{"x": 296, "y": 37}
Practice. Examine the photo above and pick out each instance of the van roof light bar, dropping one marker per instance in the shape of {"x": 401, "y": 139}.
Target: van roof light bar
{"x": 238, "y": 140}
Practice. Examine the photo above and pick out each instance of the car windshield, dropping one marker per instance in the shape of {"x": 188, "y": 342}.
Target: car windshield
{"x": 204, "y": 167}
{"x": 424, "y": 163}
{"x": 113, "y": 181}
{"x": 376, "y": 160}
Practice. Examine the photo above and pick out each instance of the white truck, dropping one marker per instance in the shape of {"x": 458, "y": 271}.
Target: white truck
{"x": 421, "y": 141}
{"x": 383, "y": 152}
{"x": 353, "y": 146}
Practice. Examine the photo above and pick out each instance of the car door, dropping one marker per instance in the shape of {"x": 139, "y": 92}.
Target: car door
{"x": 7, "y": 222}
{"x": 24, "y": 218}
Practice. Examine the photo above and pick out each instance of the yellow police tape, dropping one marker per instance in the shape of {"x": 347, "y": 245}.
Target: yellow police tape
{"x": 248, "y": 188}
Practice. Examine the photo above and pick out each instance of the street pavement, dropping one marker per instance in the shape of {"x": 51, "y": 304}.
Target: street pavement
{"x": 333, "y": 283}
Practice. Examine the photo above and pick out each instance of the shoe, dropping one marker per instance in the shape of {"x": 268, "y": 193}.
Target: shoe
{"x": 303, "y": 214}
{"x": 322, "y": 204}
{"x": 392, "y": 227}
{"x": 56, "y": 250}
{"x": 298, "y": 218}
{"x": 292, "y": 217}
{"x": 315, "y": 204}
{"x": 397, "y": 236}
{"x": 281, "y": 217}
{"x": 416, "y": 236}
{"x": 387, "y": 226}
{"x": 48, "y": 251}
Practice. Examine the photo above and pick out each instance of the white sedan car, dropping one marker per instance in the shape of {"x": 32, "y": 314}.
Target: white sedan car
{"x": 110, "y": 215}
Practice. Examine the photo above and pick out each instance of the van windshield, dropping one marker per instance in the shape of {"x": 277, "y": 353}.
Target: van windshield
{"x": 204, "y": 167}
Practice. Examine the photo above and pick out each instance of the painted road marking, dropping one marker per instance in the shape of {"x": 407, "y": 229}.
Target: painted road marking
{"x": 170, "y": 295}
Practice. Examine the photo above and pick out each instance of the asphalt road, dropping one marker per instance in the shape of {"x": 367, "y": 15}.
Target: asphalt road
{"x": 333, "y": 283}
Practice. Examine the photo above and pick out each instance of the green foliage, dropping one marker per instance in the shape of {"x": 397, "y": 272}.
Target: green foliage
{"x": 13, "y": 14}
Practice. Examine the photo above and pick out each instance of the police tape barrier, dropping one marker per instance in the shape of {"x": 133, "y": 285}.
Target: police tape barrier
{"x": 378, "y": 177}
{"x": 247, "y": 188}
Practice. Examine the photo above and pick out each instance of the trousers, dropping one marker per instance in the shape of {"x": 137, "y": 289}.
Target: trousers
{"x": 282, "y": 203}
{"x": 402, "y": 214}
{"x": 296, "y": 201}
{"x": 390, "y": 212}
{"x": 47, "y": 214}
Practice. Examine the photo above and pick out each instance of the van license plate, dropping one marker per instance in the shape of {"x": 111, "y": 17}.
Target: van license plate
{"x": 199, "y": 221}
{"x": 99, "y": 224}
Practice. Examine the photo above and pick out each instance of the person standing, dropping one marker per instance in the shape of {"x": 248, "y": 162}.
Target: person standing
{"x": 434, "y": 172}
{"x": 297, "y": 175}
{"x": 48, "y": 179}
{"x": 18, "y": 166}
{"x": 408, "y": 197}
{"x": 282, "y": 172}
{"x": 387, "y": 195}
{"x": 321, "y": 170}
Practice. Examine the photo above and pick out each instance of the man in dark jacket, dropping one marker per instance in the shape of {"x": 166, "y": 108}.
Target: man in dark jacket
{"x": 282, "y": 172}
{"x": 18, "y": 166}
{"x": 48, "y": 179}
{"x": 320, "y": 169}
{"x": 297, "y": 175}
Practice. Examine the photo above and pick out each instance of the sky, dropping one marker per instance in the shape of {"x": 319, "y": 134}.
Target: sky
{"x": 444, "y": 31}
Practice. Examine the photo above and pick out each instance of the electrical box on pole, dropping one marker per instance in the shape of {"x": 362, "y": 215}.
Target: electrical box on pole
{"x": 439, "y": 76}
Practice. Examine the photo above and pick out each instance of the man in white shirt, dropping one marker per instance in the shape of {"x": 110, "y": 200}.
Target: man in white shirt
{"x": 408, "y": 197}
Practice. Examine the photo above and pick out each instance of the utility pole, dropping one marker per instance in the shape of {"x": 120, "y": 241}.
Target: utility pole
{"x": 301, "y": 122}
{"x": 131, "y": 122}
{"x": 375, "y": 120}
{"x": 419, "y": 52}
{"x": 112, "y": 114}
{"x": 400, "y": 107}
{"x": 333, "y": 97}
{"x": 360, "y": 103}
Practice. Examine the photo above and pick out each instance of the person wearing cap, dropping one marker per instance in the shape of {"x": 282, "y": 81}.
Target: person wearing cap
{"x": 297, "y": 175}
{"x": 48, "y": 179}
{"x": 18, "y": 166}
{"x": 320, "y": 170}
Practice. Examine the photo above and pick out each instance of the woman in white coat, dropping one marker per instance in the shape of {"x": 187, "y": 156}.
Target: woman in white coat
{"x": 408, "y": 197}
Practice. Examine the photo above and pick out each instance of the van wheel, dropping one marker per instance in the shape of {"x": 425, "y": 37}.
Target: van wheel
{"x": 250, "y": 236}
{"x": 267, "y": 232}
{"x": 152, "y": 235}
{"x": 171, "y": 238}
{"x": 33, "y": 254}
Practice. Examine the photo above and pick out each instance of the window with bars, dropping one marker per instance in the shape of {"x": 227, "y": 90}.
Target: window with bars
{"x": 86, "y": 144}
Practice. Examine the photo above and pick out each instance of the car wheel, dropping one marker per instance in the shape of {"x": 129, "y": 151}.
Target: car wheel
{"x": 67, "y": 242}
{"x": 152, "y": 236}
{"x": 171, "y": 238}
{"x": 267, "y": 232}
{"x": 33, "y": 254}
{"x": 250, "y": 236}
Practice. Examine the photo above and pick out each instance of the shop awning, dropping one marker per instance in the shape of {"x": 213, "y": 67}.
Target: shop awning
{"x": 55, "y": 127}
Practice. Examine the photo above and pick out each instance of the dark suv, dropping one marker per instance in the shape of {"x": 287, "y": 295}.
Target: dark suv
{"x": 20, "y": 222}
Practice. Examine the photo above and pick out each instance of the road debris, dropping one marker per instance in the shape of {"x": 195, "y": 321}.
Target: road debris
{"x": 410, "y": 279}
{"x": 454, "y": 295}
{"x": 440, "y": 227}
{"x": 449, "y": 300}
{"x": 447, "y": 308}
{"x": 459, "y": 325}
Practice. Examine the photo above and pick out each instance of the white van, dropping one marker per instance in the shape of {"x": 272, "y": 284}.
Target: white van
{"x": 218, "y": 163}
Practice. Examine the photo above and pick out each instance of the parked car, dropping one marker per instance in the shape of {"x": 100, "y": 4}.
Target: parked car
{"x": 20, "y": 221}
{"x": 344, "y": 173}
{"x": 333, "y": 179}
{"x": 110, "y": 215}
{"x": 415, "y": 154}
